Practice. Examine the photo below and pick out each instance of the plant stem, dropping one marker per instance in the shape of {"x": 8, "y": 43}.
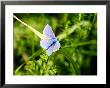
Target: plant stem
{"x": 33, "y": 45}
{"x": 16, "y": 71}
{"x": 72, "y": 29}
{"x": 31, "y": 28}
{"x": 81, "y": 44}
{"x": 80, "y": 15}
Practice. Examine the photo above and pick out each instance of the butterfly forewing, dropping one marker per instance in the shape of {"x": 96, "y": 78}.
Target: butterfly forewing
{"x": 48, "y": 32}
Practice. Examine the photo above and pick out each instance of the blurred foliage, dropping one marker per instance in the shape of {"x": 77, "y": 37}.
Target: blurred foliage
{"x": 77, "y": 33}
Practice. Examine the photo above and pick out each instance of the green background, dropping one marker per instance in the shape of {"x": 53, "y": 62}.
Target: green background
{"x": 77, "y": 34}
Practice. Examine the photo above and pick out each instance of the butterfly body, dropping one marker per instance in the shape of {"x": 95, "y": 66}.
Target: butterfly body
{"x": 53, "y": 43}
{"x": 50, "y": 44}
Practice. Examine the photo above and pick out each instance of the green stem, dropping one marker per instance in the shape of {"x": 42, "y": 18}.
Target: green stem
{"x": 16, "y": 71}
{"x": 81, "y": 44}
{"x": 89, "y": 52}
{"x": 33, "y": 45}
{"x": 94, "y": 19}
{"x": 71, "y": 61}
{"x": 31, "y": 28}
{"x": 35, "y": 54}
{"x": 31, "y": 71}
{"x": 72, "y": 29}
{"x": 80, "y": 16}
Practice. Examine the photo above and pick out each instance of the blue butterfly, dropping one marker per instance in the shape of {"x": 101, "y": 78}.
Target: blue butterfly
{"x": 50, "y": 44}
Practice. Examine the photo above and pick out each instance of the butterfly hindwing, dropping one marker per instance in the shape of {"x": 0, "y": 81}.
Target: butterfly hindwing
{"x": 56, "y": 46}
{"x": 49, "y": 50}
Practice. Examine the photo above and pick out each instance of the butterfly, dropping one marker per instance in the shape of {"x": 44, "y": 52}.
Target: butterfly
{"x": 50, "y": 44}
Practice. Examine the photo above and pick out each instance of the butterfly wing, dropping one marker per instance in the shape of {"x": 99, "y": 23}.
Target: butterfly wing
{"x": 53, "y": 48}
{"x": 44, "y": 43}
{"x": 48, "y": 32}
{"x": 50, "y": 50}
{"x": 56, "y": 46}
